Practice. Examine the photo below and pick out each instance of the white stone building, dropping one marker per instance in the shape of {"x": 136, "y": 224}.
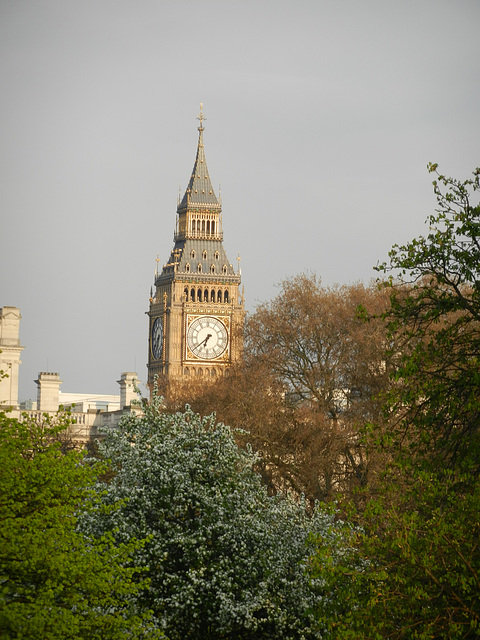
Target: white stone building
{"x": 91, "y": 413}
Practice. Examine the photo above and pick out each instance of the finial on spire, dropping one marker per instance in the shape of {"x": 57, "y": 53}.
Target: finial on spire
{"x": 201, "y": 117}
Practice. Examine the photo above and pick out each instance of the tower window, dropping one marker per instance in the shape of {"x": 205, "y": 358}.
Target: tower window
{"x": 225, "y": 296}
{"x": 187, "y": 268}
{"x": 217, "y": 255}
{"x": 199, "y": 295}
{"x": 224, "y": 269}
{"x": 204, "y": 255}
{"x": 185, "y": 293}
{"x": 199, "y": 268}
{"x": 219, "y": 296}
{"x": 192, "y": 255}
{"x": 212, "y": 269}
{"x": 192, "y": 295}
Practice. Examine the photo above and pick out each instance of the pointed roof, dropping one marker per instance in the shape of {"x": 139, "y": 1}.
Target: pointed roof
{"x": 199, "y": 192}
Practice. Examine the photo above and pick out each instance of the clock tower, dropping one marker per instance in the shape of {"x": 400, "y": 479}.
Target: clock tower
{"x": 196, "y": 313}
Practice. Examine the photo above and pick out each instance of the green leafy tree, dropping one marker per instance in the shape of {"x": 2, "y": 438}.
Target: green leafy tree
{"x": 434, "y": 316}
{"x": 420, "y": 566}
{"x": 421, "y": 543}
{"x": 54, "y": 582}
{"x": 224, "y": 559}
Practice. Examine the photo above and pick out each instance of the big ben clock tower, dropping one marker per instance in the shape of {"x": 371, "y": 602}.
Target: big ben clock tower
{"x": 196, "y": 313}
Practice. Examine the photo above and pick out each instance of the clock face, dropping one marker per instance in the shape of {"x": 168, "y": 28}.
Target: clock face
{"x": 157, "y": 338}
{"x": 207, "y": 338}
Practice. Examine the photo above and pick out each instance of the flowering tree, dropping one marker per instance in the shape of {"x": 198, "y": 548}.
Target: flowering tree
{"x": 223, "y": 558}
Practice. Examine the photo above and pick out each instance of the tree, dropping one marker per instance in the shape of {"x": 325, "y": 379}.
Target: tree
{"x": 434, "y": 315}
{"x": 314, "y": 366}
{"x": 223, "y": 558}
{"x": 416, "y": 571}
{"x": 55, "y": 583}
{"x": 422, "y": 530}
{"x": 327, "y": 364}
{"x": 250, "y": 399}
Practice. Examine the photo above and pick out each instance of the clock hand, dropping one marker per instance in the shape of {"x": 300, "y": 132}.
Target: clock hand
{"x": 203, "y": 343}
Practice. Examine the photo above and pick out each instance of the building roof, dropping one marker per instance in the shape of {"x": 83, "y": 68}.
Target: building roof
{"x": 199, "y": 256}
{"x": 199, "y": 192}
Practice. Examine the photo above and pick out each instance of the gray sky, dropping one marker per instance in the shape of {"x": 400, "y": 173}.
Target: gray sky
{"x": 321, "y": 118}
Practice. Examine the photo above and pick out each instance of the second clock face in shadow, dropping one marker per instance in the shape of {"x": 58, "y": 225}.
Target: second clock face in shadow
{"x": 157, "y": 338}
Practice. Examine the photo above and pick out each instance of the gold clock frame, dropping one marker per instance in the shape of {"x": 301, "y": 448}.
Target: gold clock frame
{"x": 190, "y": 357}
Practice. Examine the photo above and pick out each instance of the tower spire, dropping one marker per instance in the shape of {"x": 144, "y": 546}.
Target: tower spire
{"x": 201, "y": 117}
{"x": 199, "y": 192}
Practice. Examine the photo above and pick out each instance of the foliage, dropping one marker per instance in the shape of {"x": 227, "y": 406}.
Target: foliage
{"x": 435, "y": 318}
{"x": 54, "y": 583}
{"x": 311, "y": 375}
{"x": 331, "y": 366}
{"x": 422, "y": 530}
{"x": 420, "y": 575}
{"x": 224, "y": 559}
{"x": 315, "y": 343}
{"x": 429, "y": 580}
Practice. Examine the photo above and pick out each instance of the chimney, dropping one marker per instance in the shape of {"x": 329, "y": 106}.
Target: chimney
{"x": 128, "y": 382}
{"x": 48, "y": 391}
